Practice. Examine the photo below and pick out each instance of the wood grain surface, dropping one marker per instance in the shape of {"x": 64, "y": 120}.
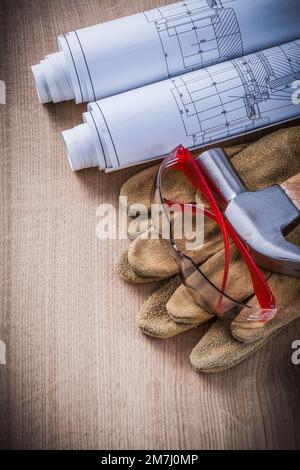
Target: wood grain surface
{"x": 78, "y": 373}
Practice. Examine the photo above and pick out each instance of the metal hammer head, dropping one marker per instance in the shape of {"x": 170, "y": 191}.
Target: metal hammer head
{"x": 261, "y": 218}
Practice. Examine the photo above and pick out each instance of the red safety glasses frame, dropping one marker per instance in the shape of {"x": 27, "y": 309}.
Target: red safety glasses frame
{"x": 204, "y": 292}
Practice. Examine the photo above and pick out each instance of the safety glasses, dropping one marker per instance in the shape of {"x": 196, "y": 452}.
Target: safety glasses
{"x": 201, "y": 282}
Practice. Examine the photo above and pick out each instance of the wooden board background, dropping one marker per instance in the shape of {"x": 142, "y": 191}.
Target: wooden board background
{"x": 79, "y": 374}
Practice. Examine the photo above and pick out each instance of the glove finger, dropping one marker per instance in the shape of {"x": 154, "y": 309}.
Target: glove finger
{"x": 153, "y": 318}
{"x": 218, "y": 350}
{"x": 183, "y": 309}
{"x": 151, "y": 256}
{"x": 127, "y": 273}
{"x": 271, "y": 160}
{"x": 287, "y": 294}
{"x": 239, "y": 286}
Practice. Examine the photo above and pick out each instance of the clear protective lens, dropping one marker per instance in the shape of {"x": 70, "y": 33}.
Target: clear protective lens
{"x": 203, "y": 279}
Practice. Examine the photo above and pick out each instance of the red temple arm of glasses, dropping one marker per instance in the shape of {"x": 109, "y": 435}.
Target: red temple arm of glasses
{"x": 186, "y": 163}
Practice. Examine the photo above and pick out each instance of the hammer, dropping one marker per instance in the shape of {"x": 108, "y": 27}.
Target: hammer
{"x": 261, "y": 218}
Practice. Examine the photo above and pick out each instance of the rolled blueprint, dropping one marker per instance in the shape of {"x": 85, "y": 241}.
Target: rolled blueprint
{"x": 148, "y": 47}
{"x": 194, "y": 109}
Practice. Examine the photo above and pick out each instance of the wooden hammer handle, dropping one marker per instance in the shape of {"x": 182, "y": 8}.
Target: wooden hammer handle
{"x": 292, "y": 189}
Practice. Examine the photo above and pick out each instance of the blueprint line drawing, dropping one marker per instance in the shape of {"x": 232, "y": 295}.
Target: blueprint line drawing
{"x": 197, "y": 33}
{"x": 239, "y": 96}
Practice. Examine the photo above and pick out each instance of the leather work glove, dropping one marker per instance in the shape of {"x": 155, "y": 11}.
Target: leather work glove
{"x": 171, "y": 310}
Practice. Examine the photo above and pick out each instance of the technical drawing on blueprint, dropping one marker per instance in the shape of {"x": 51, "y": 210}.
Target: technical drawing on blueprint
{"x": 239, "y": 96}
{"x": 197, "y": 33}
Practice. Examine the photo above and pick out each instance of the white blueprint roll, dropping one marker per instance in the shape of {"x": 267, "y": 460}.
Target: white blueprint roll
{"x": 148, "y": 47}
{"x": 194, "y": 109}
